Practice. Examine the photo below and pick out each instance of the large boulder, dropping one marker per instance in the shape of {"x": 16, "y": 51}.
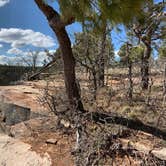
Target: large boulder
{"x": 26, "y": 129}
{"x": 11, "y": 114}
{"x": 13, "y": 152}
{"x": 20, "y": 130}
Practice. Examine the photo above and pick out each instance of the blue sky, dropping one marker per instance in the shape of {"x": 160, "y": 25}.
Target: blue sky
{"x": 23, "y": 27}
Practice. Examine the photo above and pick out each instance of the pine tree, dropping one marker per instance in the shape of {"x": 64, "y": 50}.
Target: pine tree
{"x": 149, "y": 29}
{"x": 89, "y": 53}
{"x": 92, "y": 14}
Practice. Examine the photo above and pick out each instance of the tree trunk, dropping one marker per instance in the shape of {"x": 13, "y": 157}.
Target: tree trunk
{"x": 101, "y": 69}
{"x": 69, "y": 69}
{"x": 58, "y": 26}
{"x": 130, "y": 89}
{"x": 145, "y": 68}
{"x": 94, "y": 83}
{"x": 164, "y": 82}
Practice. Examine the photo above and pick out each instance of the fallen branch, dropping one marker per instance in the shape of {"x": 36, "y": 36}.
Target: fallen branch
{"x": 129, "y": 123}
{"x": 46, "y": 67}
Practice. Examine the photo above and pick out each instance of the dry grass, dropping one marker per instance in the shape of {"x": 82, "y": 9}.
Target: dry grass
{"x": 109, "y": 99}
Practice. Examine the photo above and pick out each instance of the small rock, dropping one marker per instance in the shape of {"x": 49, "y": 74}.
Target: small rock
{"x": 14, "y": 152}
{"x": 51, "y": 141}
{"x": 28, "y": 92}
{"x": 160, "y": 153}
{"x": 65, "y": 123}
{"x": 2, "y": 129}
{"x": 20, "y": 130}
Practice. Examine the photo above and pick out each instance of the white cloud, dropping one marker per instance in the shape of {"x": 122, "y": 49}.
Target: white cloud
{"x": 42, "y": 55}
{"x": 20, "y": 37}
{"x": 2, "y": 58}
{"x": 5, "y": 59}
{"x": 1, "y": 45}
{"x": 12, "y": 60}
{"x": 15, "y": 51}
{"x": 22, "y": 56}
{"x": 3, "y": 2}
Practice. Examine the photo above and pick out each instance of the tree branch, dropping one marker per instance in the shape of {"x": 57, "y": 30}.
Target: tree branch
{"x": 47, "y": 10}
{"x": 52, "y": 15}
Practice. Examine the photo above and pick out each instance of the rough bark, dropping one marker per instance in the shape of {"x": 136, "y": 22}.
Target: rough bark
{"x": 102, "y": 59}
{"x": 94, "y": 83}
{"x": 58, "y": 26}
{"x": 145, "y": 68}
{"x": 147, "y": 41}
{"x": 164, "y": 82}
{"x": 130, "y": 89}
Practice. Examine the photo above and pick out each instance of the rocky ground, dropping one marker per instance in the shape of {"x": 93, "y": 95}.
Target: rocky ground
{"x": 37, "y": 141}
{"x": 33, "y": 142}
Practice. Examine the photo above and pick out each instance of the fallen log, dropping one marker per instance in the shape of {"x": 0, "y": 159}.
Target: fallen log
{"x": 44, "y": 68}
{"x": 104, "y": 118}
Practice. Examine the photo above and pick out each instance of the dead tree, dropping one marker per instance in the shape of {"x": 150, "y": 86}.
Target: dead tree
{"x": 44, "y": 68}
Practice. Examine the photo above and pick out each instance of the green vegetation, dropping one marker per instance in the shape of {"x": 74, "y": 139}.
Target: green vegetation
{"x": 105, "y": 100}
{"x": 9, "y": 74}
